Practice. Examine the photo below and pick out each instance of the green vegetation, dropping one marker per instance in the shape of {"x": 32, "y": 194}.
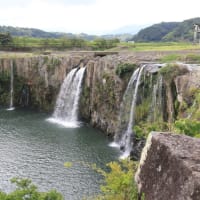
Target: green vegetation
{"x": 189, "y": 58}
{"x": 31, "y": 43}
{"x": 125, "y": 68}
{"x": 188, "y": 127}
{"x": 170, "y": 58}
{"x": 5, "y": 39}
{"x": 170, "y": 71}
{"x": 26, "y": 190}
{"x": 4, "y": 87}
{"x": 37, "y": 33}
{"x": 119, "y": 181}
{"x": 192, "y": 58}
{"x": 156, "y": 46}
{"x": 143, "y": 129}
{"x": 168, "y": 31}
{"x": 155, "y": 32}
{"x": 101, "y": 44}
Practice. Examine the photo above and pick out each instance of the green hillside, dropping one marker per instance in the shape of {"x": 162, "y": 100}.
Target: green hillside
{"x": 37, "y": 33}
{"x": 168, "y": 31}
{"x": 29, "y": 32}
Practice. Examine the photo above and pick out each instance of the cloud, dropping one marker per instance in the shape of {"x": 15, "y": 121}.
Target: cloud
{"x": 13, "y": 3}
{"x": 25, "y": 3}
{"x": 92, "y": 16}
{"x": 71, "y": 2}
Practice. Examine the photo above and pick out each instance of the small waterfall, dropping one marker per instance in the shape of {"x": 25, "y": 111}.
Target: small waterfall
{"x": 66, "y": 109}
{"x": 11, "y": 86}
{"x": 125, "y": 134}
{"x": 157, "y": 101}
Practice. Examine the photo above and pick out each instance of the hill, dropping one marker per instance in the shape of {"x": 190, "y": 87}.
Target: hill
{"x": 37, "y": 33}
{"x": 168, "y": 31}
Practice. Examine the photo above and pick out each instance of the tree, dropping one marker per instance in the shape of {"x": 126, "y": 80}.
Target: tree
{"x": 119, "y": 181}
{"x": 5, "y": 39}
{"x": 25, "y": 190}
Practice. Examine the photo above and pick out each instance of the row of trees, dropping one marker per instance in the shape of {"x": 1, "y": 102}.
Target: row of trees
{"x": 29, "y": 43}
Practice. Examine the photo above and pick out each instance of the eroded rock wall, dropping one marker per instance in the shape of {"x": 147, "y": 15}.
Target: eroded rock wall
{"x": 102, "y": 93}
{"x": 169, "y": 167}
{"x": 38, "y": 79}
{"x": 40, "y": 76}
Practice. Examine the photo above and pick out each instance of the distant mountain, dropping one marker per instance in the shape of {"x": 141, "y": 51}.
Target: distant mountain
{"x": 167, "y": 31}
{"x": 32, "y": 32}
{"x": 155, "y": 32}
{"x": 183, "y": 32}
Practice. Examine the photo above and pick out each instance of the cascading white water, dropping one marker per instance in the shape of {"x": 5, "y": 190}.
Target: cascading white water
{"x": 157, "y": 101}
{"x": 127, "y": 137}
{"x": 124, "y": 138}
{"x": 11, "y": 86}
{"x": 66, "y": 109}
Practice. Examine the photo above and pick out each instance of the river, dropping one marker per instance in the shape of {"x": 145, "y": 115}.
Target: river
{"x": 31, "y": 147}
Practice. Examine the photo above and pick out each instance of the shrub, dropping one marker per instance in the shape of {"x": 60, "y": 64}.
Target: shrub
{"x": 188, "y": 126}
{"x": 170, "y": 71}
{"x": 125, "y": 68}
{"x": 119, "y": 181}
{"x": 26, "y": 190}
{"x": 192, "y": 58}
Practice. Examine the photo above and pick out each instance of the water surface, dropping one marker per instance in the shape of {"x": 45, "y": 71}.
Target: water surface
{"x": 32, "y": 147}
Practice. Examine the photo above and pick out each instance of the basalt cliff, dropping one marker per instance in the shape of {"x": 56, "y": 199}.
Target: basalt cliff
{"x": 37, "y": 80}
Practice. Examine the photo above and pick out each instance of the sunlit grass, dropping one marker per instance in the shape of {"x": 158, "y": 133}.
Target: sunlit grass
{"x": 159, "y": 46}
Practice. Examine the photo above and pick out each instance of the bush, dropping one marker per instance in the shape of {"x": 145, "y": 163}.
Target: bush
{"x": 25, "y": 190}
{"x": 188, "y": 127}
{"x": 119, "y": 181}
{"x": 192, "y": 58}
{"x": 170, "y": 71}
{"x": 125, "y": 68}
{"x": 143, "y": 129}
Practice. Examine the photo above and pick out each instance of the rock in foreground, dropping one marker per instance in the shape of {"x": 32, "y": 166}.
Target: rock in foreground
{"x": 169, "y": 167}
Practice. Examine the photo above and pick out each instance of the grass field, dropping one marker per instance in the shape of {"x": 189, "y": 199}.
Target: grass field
{"x": 158, "y": 46}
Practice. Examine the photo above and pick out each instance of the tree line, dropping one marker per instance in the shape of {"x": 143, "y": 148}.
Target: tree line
{"x": 7, "y": 42}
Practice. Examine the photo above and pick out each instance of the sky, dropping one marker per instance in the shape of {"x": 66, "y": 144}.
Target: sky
{"x": 93, "y": 16}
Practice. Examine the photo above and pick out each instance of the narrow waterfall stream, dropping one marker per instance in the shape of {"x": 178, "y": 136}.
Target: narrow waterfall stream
{"x": 127, "y": 137}
{"x": 66, "y": 109}
{"x": 149, "y": 93}
{"x": 125, "y": 134}
{"x": 11, "y": 86}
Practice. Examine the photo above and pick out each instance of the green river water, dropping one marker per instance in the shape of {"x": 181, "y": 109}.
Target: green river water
{"x": 32, "y": 147}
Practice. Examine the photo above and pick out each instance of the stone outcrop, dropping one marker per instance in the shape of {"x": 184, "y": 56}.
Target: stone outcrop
{"x": 102, "y": 93}
{"x": 169, "y": 167}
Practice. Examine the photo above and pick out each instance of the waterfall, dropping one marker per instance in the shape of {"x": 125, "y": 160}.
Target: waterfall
{"x": 66, "y": 109}
{"x": 11, "y": 86}
{"x": 125, "y": 134}
{"x": 157, "y": 101}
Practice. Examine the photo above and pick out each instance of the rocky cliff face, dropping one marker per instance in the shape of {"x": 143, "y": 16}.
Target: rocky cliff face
{"x": 169, "y": 167}
{"x": 37, "y": 81}
{"x": 102, "y": 93}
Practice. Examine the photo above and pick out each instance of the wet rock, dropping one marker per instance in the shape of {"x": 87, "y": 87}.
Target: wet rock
{"x": 169, "y": 167}
{"x": 138, "y": 145}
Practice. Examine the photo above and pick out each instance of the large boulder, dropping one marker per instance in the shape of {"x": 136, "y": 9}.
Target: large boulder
{"x": 169, "y": 167}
